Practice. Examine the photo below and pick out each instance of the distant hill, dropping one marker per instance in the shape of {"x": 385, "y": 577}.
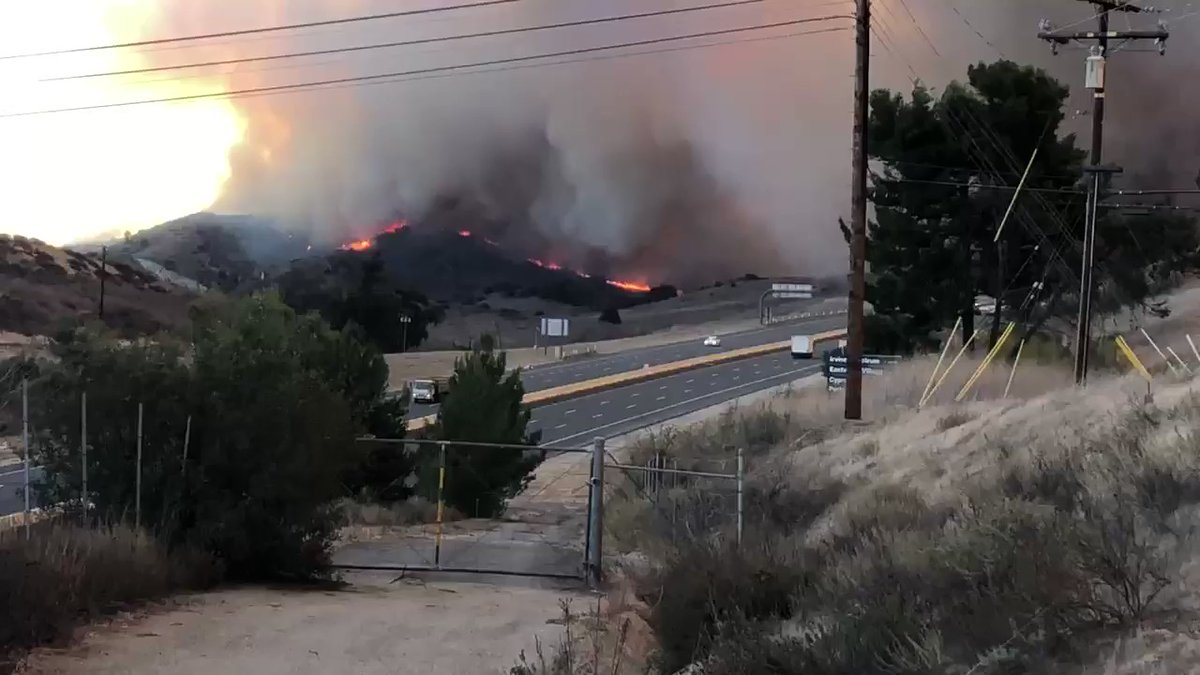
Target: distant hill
{"x": 226, "y": 252}
{"x": 44, "y": 288}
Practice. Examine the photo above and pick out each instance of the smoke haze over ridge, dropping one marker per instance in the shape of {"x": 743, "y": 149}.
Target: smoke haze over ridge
{"x": 681, "y": 165}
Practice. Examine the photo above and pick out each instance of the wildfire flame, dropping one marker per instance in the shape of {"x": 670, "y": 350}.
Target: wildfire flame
{"x": 635, "y": 286}
{"x": 360, "y": 245}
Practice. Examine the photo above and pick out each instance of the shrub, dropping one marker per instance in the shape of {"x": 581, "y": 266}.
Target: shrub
{"x": 276, "y": 401}
{"x": 484, "y": 405}
{"x": 67, "y": 574}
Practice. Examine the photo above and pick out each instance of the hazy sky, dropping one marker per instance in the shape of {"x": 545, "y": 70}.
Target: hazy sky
{"x": 766, "y": 119}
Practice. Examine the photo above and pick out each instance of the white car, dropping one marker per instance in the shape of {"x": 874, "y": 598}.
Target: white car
{"x": 712, "y": 341}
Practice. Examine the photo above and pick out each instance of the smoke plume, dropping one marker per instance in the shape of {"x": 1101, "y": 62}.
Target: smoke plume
{"x": 677, "y": 166}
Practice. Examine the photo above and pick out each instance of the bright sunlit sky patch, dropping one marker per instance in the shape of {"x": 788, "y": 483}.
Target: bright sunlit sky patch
{"x": 71, "y": 176}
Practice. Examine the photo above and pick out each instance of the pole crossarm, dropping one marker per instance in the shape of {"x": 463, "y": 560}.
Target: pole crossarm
{"x": 1063, "y": 38}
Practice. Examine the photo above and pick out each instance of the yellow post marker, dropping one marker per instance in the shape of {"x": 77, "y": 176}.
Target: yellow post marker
{"x": 987, "y": 361}
{"x": 1013, "y": 373}
{"x": 938, "y": 365}
{"x": 1131, "y": 356}
{"x": 949, "y": 368}
{"x": 441, "y": 506}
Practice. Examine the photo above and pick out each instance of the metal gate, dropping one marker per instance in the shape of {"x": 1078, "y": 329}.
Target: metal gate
{"x": 468, "y": 517}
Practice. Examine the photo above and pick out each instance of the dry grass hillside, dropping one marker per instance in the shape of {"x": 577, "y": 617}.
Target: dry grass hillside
{"x": 43, "y": 288}
{"x": 1052, "y": 531}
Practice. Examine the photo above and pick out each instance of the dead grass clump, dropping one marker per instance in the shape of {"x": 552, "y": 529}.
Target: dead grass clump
{"x": 65, "y": 575}
{"x": 413, "y": 511}
{"x": 1024, "y": 567}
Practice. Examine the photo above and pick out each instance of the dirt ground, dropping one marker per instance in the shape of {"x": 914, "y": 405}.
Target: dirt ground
{"x": 378, "y": 624}
{"x": 373, "y": 628}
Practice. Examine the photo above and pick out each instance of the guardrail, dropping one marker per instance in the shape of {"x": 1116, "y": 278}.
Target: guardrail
{"x": 555, "y": 394}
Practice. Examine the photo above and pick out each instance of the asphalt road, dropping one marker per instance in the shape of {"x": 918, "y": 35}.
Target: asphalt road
{"x": 12, "y": 492}
{"x": 576, "y": 422}
{"x": 558, "y": 374}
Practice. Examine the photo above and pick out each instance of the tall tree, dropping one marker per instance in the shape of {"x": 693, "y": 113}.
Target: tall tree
{"x": 946, "y": 171}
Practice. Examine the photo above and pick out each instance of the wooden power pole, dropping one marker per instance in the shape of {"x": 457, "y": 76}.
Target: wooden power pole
{"x": 858, "y": 214}
{"x": 1096, "y": 81}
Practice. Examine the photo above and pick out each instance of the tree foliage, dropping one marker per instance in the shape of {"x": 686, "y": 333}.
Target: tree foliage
{"x": 484, "y": 405}
{"x": 276, "y": 401}
{"x": 354, "y": 289}
{"x": 946, "y": 166}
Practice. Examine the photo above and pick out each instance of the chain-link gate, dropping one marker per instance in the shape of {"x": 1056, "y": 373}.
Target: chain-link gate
{"x": 466, "y": 507}
{"x": 666, "y": 497}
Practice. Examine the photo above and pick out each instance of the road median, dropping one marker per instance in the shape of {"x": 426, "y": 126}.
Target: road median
{"x": 556, "y": 394}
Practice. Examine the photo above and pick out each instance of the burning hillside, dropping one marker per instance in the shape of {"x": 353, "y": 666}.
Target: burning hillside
{"x": 369, "y": 244}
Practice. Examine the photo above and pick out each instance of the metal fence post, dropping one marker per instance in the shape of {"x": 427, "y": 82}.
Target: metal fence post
{"x": 83, "y": 492}
{"x": 137, "y": 498}
{"x": 741, "y": 507}
{"x": 28, "y": 450}
{"x": 437, "y": 546}
{"x": 595, "y": 517}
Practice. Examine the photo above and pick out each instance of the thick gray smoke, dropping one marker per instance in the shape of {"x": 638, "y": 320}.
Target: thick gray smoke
{"x": 680, "y": 165}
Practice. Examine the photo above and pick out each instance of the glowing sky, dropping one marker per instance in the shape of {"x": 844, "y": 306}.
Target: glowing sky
{"x": 71, "y": 176}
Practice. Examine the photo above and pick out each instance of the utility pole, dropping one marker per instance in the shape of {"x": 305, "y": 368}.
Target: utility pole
{"x": 858, "y": 213}
{"x": 1097, "y": 63}
{"x": 103, "y": 274}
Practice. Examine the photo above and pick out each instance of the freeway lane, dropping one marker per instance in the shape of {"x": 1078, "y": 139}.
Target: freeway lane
{"x": 575, "y": 422}
{"x": 12, "y": 488}
{"x": 559, "y": 374}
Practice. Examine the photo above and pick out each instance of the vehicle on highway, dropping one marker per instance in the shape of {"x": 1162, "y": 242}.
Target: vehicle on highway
{"x": 429, "y": 390}
{"x": 712, "y": 341}
{"x": 802, "y": 347}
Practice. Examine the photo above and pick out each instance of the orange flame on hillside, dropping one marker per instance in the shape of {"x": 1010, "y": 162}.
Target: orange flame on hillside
{"x": 361, "y": 245}
{"x": 635, "y": 286}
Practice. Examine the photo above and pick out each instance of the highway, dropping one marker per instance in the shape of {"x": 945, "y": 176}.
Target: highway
{"x": 548, "y": 376}
{"x": 575, "y": 422}
{"x": 12, "y": 482}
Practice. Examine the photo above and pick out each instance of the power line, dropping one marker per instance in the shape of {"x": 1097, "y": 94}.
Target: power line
{"x": 265, "y": 29}
{"x": 413, "y": 42}
{"x": 604, "y": 57}
{"x": 257, "y": 91}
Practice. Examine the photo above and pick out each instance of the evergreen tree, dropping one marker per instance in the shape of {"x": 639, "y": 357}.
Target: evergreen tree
{"x": 484, "y": 405}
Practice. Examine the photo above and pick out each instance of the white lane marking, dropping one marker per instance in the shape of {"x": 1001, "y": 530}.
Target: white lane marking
{"x": 561, "y": 426}
{"x": 593, "y": 430}
{"x": 661, "y": 398}
{"x": 631, "y": 406}
{"x": 597, "y": 416}
{"x": 603, "y": 402}
{"x": 663, "y": 388}
{"x": 687, "y": 391}
{"x": 570, "y": 412}
{"x": 736, "y": 378}
{"x": 690, "y": 381}
{"x": 635, "y": 394}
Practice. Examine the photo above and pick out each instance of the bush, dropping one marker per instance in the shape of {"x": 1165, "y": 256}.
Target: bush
{"x": 1019, "y": 574}
{"x": 484, "y": 405}
{"x": 276, "y": 401}
{"x": 66, "y": 575}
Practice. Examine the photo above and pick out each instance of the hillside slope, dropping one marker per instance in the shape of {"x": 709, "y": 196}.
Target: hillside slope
{"x": 44, "y": 288}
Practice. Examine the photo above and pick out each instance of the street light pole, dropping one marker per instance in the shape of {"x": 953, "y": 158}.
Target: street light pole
{"x": 404, "y": 321}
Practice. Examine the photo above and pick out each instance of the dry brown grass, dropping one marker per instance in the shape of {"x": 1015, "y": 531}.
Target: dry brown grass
{"x": 1050, "y": 531}
{"x": 65, "y": 575}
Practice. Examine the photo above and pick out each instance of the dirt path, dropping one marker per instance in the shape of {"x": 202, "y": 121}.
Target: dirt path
{"x": 373, "y": 628}
{"x": 427, "y": 624}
